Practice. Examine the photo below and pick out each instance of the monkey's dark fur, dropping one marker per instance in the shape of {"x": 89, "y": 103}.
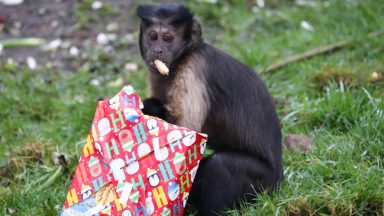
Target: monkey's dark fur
{"x": 209, "y": 91}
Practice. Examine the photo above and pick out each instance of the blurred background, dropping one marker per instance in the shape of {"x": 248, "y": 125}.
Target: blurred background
{"x": 322, "y": 60}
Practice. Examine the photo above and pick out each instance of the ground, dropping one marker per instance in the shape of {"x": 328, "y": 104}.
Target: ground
{"x": 70, "y": 24}
{"x": 335, "y": 99}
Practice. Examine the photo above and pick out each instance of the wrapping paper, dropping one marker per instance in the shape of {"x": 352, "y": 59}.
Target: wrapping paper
{"x": 133, "y": 164}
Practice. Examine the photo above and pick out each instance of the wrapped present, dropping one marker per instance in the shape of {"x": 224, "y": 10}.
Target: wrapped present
{"x": 133, "y": 164}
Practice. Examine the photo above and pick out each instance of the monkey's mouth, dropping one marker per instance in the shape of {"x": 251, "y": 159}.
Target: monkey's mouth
{"x": 160, "y": 66}
{"x": 152, "y": 63}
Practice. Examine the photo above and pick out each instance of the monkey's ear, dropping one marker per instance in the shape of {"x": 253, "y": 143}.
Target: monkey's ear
{"x": 146, "y": 14}
{"x": 196, "y": 30}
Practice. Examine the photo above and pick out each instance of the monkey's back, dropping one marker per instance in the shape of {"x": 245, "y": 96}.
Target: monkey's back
{"x": 251, "y": 124}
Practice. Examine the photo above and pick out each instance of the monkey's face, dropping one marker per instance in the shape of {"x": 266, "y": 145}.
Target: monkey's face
{"x": 163, "y": 42}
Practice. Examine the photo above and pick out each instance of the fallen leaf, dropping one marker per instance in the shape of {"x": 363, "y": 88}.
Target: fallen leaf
{"x": 299, "y": 142}
{"x": 116, "y": 83}
{"x": 11, "y": 210}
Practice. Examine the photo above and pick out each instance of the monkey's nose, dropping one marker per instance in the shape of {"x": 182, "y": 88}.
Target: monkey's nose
{"x": 158, "y": 51}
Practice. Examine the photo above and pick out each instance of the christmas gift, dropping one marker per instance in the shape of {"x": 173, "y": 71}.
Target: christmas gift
{"x": 133, "y": 164}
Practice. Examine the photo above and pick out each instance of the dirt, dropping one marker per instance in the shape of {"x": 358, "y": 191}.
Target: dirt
{"x": 58, "y": 20}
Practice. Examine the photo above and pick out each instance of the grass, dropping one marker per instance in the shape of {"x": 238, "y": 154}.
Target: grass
{"x": 331, "y": 98}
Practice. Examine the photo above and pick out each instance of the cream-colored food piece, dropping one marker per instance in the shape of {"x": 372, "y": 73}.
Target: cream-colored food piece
{"x": 161, "y": 67}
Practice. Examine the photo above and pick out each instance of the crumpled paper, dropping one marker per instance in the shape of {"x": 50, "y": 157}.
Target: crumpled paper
{"x": 133, "y": 164}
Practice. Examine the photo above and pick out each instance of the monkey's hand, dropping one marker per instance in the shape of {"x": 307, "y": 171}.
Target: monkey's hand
{"x": 155, "y": 108}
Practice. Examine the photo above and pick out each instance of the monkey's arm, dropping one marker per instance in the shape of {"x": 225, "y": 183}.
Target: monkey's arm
{"x": 154, "y": 107}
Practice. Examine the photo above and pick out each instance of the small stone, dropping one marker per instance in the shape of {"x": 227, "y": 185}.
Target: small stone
{"x": 31, "y": 62}
{"x": 107, "y": 49}
{"x": 42, "y": 11}
{"x": 260, "y": 3}
{"x": 54, "y": 23}
{"x": 131, "y": 67}
{"x": 299, "y": 142}
{"x": 84, "y": 55}
{"x": 1, "y": 48}
{"x": 73, "y": 51}
{"x": 306, "y": 3}
{"x": 54, "y": 45}
{"x": 112, "y": 27}
{"x": 374, "y": 76}
{"x": 306, "y": 25}
{"x": 17, "y": 24}
{"x": 12, "y": 2}
{"x": 63, "y": 14}
{"x": 129, "y": 37}
{"x": 102, "y": 39}
{"x": 65, "y": 44}
{"x": 111, "y": 37}
{"x": 95, "y": 82}
{"x": 96, "y": 5}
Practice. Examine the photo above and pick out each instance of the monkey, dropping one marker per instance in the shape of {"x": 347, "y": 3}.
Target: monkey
{"x": 209, "y": 91}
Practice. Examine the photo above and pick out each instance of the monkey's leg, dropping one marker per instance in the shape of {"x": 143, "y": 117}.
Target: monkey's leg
{"x": 226, "y": 178}
{"x": 154, "y": 107}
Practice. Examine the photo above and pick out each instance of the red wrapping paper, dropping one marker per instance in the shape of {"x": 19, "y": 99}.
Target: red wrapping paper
{"x": 150, "y": 163}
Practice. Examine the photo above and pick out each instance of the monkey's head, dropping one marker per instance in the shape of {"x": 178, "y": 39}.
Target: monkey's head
{"x": 168, "y": 32}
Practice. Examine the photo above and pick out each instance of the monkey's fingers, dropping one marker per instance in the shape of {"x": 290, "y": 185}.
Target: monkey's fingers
{"x": 161, "y": 67}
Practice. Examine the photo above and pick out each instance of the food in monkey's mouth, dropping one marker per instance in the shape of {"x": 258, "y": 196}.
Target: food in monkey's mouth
{"x": 161, "y": 67}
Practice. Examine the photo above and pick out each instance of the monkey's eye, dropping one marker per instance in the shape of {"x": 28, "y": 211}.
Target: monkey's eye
{"x": 168, "y": 38}
{"x": 153, "y": 36}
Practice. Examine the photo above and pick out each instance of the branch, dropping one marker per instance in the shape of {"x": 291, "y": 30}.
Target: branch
{"x": 316, "y": 51}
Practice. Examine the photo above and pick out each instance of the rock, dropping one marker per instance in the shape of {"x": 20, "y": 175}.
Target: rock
{"x": 299, "y": 142}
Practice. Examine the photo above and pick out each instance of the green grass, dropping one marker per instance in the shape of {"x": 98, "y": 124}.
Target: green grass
{"x": 329, "y": 97}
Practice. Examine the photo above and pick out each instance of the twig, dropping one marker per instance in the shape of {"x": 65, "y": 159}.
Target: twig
{"x": 21, "y": 42}
{"x": 316, "y": 51}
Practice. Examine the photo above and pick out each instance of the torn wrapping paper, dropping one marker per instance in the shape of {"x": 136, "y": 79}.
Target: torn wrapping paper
{"x": 133, "y": 164}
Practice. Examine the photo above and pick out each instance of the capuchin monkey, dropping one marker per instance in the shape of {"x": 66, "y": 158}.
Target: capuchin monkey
{"x": 195, "y": 85}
